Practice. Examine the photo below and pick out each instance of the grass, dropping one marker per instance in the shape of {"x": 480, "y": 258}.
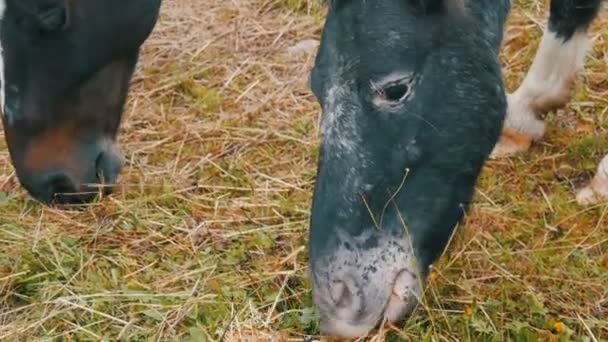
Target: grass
{"x": 206, "y": 239}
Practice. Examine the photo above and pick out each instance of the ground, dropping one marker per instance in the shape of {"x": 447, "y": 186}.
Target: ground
{"x": 206, "y": 238}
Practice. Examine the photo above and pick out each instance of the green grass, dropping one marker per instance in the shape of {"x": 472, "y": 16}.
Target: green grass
{"x": 206, "y": 239}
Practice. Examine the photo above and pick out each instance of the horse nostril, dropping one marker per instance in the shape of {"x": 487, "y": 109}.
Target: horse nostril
{"x": 405, "y": 296}
{"x": 345, "y": 300}
{"x": 340, "y": 294}
{"x": 99, "y": 169}
{"x": 61, "y": 184}
{"x": 405, "y": 283}
{"x": 346, "y": 297}
{"x": 107, "y": 166}
{"x": 57, "y": 187}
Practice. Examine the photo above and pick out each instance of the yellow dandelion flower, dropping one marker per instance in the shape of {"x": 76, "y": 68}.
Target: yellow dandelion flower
{"x": 468, "y": 311}
{"x": 559, "y": 327}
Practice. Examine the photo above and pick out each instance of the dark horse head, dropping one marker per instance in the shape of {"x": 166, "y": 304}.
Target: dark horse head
{"x": 413, "y": 103}
{"x": 66, "y": 67}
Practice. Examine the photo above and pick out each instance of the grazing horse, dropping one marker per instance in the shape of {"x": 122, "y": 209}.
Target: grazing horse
{"x": 65, "y": 68}
{"x": 413, "y": 104}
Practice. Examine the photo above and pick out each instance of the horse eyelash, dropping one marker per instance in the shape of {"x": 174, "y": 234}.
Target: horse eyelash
{"x": 379, "y": 90}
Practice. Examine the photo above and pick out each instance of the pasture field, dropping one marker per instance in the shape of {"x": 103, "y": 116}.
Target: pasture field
{"x": 206, "y": 238}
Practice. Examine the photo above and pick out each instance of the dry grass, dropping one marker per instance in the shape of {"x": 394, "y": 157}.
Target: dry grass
{"x": 206, "y": 240}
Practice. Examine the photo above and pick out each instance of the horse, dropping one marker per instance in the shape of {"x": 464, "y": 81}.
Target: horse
{"x": 413, "y": 105}
{"x": 65, "y": 69}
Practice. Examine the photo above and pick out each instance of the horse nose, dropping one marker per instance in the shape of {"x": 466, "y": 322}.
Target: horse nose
{"x": 60, "y": 187}
{"x": 352, "y": 306}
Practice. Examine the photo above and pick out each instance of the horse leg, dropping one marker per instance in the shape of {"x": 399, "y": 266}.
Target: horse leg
{"x": 550, "y": 81}
{"x": 597, "y": 189}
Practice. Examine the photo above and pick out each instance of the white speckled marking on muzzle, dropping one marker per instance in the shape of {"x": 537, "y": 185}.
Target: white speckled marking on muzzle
{"x": 362, "y": 283}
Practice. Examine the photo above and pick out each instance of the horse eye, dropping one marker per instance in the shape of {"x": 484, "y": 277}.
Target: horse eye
{"x": 395, "y": 92}
{"x": 392, "y": 93}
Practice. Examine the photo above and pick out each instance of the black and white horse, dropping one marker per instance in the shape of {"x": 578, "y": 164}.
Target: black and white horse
{"x": 413, "y": 105}
{"x": 65, "y": 69}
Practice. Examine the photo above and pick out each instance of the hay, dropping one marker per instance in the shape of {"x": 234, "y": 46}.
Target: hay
{"x": 206, "y": 237}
